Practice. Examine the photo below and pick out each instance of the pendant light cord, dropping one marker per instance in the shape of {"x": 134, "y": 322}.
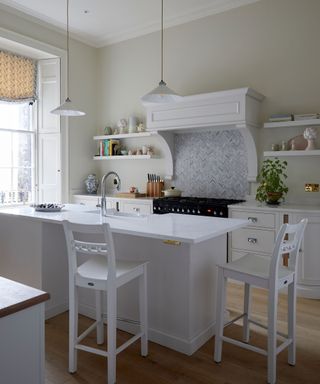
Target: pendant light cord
{"x": 68, "y": 74}
{"x": 162, "y": 41}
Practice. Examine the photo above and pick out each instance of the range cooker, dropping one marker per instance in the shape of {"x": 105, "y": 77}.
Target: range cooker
{"x": 193, "y": 206}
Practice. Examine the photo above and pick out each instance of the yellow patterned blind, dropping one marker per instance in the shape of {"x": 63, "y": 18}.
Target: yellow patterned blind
{"x": 18, "y": 77}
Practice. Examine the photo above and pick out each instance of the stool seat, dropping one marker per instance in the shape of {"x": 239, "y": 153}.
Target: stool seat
{"x": 257, "y": 266}
{"x": 97, "y": 268}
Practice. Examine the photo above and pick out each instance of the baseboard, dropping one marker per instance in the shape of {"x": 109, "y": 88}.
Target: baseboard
{"x": 187, "y": 347}
{"x": 51, "y": 311}
{"x": 309, "y": 292}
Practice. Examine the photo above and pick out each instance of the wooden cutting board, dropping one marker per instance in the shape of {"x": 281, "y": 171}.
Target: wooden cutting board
{"x": 130, "y": 195}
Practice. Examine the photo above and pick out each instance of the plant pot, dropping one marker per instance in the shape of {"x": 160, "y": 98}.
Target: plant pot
{"x": 273, "y": 198}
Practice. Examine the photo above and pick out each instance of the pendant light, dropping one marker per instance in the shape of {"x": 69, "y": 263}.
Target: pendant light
{"x": 67, "y": 108}
{"x": 162, "y": 93}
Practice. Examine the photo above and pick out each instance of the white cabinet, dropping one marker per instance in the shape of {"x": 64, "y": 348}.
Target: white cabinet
{"x": 143, "y": 206}
{"x": 21, "y": 333}
{"x": 90, "y": 200}
{"x": 94, "y": 201}
{"x": 309, "y": 262}
{"x": 260, "y": 235}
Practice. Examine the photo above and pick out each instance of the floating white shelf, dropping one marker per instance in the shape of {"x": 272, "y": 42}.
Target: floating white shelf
{"x": 125, "y": 136}
{"x": 291, "y": 124}
{"x": 123, "y": 157}
{"x": 315, "y": 152}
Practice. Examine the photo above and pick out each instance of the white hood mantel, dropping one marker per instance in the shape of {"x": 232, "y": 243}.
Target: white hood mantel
{"x": 232, "y": 109}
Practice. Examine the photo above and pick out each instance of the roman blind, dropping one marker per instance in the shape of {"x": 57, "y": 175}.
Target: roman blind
{"x": 18, "y": 78}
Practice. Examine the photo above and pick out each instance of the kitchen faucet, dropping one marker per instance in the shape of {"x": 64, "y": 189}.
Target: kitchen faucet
{"x": 103, "y": 190}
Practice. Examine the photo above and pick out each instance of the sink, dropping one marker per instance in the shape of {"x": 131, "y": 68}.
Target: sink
{"x": 116, "y": 214}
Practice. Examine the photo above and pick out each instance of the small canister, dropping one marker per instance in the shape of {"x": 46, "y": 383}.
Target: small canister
{"x": 133, "y": 124}
{"x": 284, "y": 146}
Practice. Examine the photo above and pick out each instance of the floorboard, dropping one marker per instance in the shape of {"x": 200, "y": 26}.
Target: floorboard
{"x": 164, "y": 366}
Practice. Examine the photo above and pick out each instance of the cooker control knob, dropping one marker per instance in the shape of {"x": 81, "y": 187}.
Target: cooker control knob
{"x": 221, "y": 213}
{"x": 188, "y": 210}
{"x": 199, "y": 212}
{"x": 182, "y": 210}
{"x": 214, "y": 213}
{"x": 178, "y": 210}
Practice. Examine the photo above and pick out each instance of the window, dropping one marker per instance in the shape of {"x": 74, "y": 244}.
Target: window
{"x": 17, "y": 152}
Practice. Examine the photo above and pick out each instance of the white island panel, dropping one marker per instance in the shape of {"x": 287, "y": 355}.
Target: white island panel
{"x": 181, "y": 271}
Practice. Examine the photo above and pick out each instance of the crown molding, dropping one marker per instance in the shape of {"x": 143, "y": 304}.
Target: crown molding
{"x": 216, "y": 7}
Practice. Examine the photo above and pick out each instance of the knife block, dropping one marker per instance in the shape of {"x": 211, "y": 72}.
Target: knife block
{"x": 155, "y": 188}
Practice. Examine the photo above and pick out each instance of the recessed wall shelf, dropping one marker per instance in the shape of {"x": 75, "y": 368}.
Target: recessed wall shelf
{"x": 291, "y": 124}
{"x": 315, "y": 152}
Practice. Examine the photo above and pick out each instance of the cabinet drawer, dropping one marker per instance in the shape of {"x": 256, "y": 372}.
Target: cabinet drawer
{"x": 136, "y": 207}
{"x": 91, "y": 201}
{"x": 253, "y": 240}
{"x": 257, "y": 219}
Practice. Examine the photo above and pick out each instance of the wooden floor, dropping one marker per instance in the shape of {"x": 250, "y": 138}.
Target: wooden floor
{"x": 164, "y": 366}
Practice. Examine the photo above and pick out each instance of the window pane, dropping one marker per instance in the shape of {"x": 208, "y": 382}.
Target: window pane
{"x": 5, "y": 149}
{"x": 17, "y": 154}
{"x": 22, "y": 149}
{"x": 5, "y": 179}
{"x": 16, "y": 116}
{"x": 21, "y": 185}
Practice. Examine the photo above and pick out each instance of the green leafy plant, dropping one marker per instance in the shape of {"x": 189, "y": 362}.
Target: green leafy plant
{"x": 271, "y": 177}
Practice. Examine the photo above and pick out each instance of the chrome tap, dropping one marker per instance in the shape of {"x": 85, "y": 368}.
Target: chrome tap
{"x": 103, "y": 190}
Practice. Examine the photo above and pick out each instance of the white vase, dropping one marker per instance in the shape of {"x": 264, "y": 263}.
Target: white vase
{"x": 311, "y": 145}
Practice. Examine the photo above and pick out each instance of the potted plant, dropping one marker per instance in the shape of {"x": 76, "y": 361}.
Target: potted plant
{"x": 272, "y": 187}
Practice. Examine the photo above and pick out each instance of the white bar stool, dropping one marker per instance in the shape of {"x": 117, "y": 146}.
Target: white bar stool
{"x": 102, "y": 273}
{"x": 268, "y": 273}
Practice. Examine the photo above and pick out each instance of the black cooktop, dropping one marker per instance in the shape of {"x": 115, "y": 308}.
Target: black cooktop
{"x": 193, "y": 206}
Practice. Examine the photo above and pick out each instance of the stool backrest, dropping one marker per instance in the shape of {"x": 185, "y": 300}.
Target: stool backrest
{"x": 90, "y": 240}
{"x": 288, "y": 241}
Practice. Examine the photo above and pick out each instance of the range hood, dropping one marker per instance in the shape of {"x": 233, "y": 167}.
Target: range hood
{"x": 232, "y": 109}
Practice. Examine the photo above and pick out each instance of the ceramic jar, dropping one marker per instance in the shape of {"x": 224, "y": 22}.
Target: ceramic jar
{"x": 92, "y": 183}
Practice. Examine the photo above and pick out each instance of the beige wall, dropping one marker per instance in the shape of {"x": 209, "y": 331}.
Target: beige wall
{"x": 271, "y": 46}
{"x": 83, "y": 80}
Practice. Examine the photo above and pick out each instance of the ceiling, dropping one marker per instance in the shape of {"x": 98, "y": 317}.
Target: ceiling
{"x": 102, "y": 22}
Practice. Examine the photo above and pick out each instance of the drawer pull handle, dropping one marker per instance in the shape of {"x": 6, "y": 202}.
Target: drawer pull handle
{"x": 136, "y": 209}
{"x": 252, "y": 240}
{"x": 253, "y": 219}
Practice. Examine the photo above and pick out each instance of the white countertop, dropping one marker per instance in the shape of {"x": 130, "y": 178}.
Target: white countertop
{"x": 283, "y": 207}
{"x": 184, "y": 228}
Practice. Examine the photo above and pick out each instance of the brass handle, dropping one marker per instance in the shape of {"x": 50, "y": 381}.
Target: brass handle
{"x": 172, "y": 242}
{"x": 253, "y": 219}
{"x": 252, "y": 240}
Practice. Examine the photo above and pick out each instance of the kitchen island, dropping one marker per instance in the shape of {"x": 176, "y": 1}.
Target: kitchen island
{"x": 182, "y": 251}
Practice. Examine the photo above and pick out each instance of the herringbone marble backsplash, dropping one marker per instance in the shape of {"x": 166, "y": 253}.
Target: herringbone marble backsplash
{"x": 211, "y": 164}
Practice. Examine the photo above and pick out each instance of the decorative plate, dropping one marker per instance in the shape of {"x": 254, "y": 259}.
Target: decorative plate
{"x": 48, "y": 207}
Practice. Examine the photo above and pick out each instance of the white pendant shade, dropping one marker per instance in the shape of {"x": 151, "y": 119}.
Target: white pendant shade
{"x": 161, "y": 94}
{"x": 67, "y": 109}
